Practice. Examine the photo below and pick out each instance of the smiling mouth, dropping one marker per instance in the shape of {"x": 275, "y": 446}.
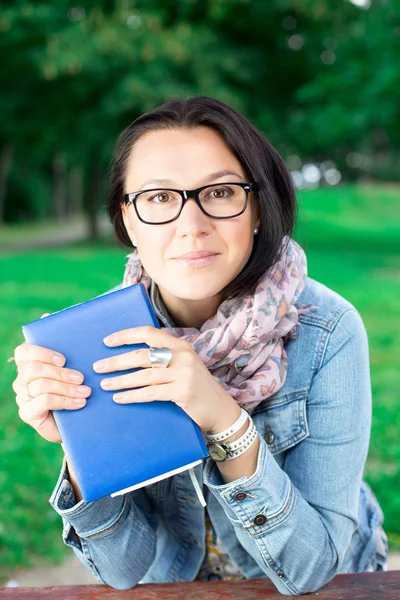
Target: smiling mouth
{"x": 199, "y": 254}
{"x": 203, "y": 261}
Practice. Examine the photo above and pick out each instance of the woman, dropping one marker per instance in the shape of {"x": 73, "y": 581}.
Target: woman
{"x": 245, "y": 327}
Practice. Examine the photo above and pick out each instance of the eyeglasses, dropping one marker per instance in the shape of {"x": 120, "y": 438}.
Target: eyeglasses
{"x": 217, "y": 200}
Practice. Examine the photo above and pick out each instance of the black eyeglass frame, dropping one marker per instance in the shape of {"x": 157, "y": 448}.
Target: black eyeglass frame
{"x": 192, "y": 194}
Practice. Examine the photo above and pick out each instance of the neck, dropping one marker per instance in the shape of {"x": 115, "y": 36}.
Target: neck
{"x": 190, "y": 313}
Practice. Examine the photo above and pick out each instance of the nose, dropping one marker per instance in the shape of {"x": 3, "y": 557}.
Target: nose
{"x": 192, "y": 220}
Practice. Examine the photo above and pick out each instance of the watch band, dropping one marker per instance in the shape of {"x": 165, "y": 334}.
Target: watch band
{"x": 223, "y": 435}
{"x": 221, "y": 452}
{"x": 245, "y": 445}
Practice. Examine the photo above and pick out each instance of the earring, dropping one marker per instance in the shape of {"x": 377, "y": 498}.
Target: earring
{"x": 256, "y": 231}
{"x": 134, "y": 242}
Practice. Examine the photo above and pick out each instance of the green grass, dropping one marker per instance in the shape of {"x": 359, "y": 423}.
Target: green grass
{"x": 352, "y": 239}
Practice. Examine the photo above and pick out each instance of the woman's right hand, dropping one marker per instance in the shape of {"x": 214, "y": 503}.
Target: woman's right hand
{"x": 42, "y": 386}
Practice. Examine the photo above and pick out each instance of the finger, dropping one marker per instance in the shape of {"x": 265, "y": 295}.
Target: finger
{"x": 21, "y": 399}
{"x": 51, "y": 386}
{"x": 18, "y": 356}
{"x": 16, "y": 385}
{"x": 121, "y": 362}
{"x": 38, "y": 407}
{"x": 145, "y": 335}
{"x": 23, "y": 396}
{"x": 35, "y": 370}
{"x": 27, "y": 352}
{"x": 168, "y": 391}
{"x": 142, "y": 378}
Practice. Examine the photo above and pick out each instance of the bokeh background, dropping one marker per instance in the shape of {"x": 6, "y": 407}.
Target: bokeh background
{"x": 320, "y": 78}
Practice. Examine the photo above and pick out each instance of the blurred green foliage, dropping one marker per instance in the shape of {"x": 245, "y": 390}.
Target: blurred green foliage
{"x": 320, "y": 78}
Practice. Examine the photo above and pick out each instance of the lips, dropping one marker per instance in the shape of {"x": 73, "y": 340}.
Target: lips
{"x": 199, "y": 254}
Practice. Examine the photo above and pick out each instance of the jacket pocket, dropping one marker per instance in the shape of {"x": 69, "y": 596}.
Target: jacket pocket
{"x": 283, "y": 421}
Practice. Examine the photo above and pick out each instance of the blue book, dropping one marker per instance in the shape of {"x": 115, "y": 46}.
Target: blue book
{"x": 115, "y": 448}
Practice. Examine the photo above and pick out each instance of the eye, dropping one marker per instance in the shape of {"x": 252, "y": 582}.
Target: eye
{"x": 220, "y": 193}
{"x": 161, "y": 197}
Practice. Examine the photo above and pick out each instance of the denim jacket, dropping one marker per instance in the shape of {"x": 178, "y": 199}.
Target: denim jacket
{"x": 318, "y": 517}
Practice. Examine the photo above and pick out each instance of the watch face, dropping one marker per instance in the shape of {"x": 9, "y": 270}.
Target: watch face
{"x": 217, "y": 452}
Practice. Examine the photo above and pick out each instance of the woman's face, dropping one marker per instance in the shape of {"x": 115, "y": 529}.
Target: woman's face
{"x": 188, "y": 159}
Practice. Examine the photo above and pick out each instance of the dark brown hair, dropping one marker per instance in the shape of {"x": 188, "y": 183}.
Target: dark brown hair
{"x": 275, "y": 201}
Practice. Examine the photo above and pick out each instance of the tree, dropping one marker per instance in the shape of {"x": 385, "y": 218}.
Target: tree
{"x": 318, "y": 77}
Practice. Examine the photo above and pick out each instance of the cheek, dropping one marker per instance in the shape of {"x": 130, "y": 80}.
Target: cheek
{"x": 153, "y": 247}
{"x": 239, "y": 239}
{"x": 239, "y": 248}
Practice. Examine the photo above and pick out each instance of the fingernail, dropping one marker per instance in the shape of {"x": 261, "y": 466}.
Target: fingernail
{"x": 83, "y": 389}
{"x": 118, "y": 397}
{"x": 109, "y": 339}
{"x": 99, "y": 367}
{"x": 79, "y": 401}
{"x": 58, "y": 360}
{"x": 106, "y": 383}
{"x": 75, "y": 378}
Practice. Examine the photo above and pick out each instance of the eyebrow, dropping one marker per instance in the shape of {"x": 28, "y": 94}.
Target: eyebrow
{"x": 212, "y": 176}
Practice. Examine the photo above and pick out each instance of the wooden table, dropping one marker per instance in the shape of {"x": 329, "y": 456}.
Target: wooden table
{"x": 360, "y": 586}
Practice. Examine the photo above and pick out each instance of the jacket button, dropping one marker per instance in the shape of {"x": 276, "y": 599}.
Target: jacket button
{"x": 269, "y": 436}
{"x": 240, "y": 496}
{"x": 260, "y": 520}
{"x": 281, "y": 574}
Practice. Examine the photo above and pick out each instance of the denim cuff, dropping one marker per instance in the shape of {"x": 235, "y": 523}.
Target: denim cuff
{"x": 87, "y": 518}
{"x": 258, "y": 503}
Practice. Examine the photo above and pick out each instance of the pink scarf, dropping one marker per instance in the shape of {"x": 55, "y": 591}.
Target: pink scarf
{"x": 242, "y": 345}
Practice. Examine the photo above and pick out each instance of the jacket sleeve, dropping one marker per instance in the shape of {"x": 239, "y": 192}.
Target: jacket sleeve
{"x": 309, "y": 509}
{"x": 113, "y": 537}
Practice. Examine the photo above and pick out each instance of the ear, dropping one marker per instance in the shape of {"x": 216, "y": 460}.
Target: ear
{"x": 124, "y": 212}
{"x": 125, "y": 218}
{"x": 128, "y": 226}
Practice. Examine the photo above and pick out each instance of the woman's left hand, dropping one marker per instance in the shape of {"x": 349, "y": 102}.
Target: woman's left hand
{"x": 186, "y": 381}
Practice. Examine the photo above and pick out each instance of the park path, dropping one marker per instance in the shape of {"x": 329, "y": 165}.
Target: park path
{"x": 73, "y": 230}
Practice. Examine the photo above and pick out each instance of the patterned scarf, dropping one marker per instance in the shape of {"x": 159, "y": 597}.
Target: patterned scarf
{"x": 242, "y": 345}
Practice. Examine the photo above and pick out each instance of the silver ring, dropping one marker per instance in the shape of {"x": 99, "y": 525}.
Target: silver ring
{"x": 160, "y": 356}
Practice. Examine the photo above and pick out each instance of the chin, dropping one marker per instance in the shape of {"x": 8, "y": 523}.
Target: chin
{"x": 200, "y": 290}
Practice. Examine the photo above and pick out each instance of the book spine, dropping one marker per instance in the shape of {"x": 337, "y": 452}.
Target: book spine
{"x": 200, "y": 439}
{"x": 149, "y": 305}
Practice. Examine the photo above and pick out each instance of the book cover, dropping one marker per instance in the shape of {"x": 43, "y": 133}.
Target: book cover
{"x": 114, "y": 448}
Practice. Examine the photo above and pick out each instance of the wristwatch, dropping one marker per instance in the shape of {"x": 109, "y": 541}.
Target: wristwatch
{"x": 218, "y": 452}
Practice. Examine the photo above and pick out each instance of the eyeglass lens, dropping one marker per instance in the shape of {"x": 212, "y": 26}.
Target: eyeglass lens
{"x": 157, "y": 206}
